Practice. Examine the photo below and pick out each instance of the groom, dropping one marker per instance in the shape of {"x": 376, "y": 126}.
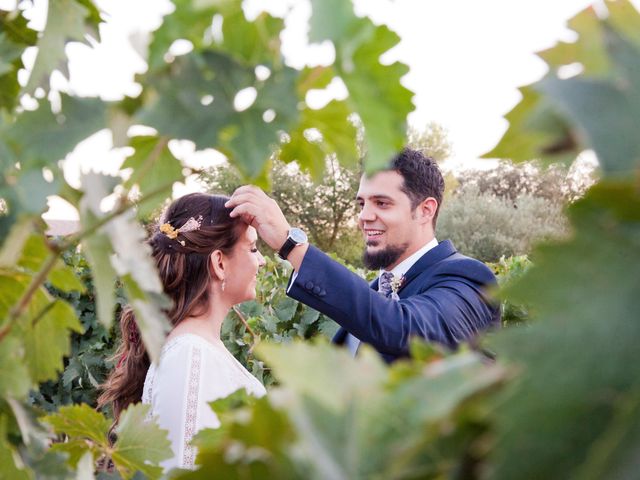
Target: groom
{"x": 425, "y": 288}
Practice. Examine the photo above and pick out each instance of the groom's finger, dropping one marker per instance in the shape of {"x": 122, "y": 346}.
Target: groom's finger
{"x": 245, "y": 193}
{"x": 244, "y": 210}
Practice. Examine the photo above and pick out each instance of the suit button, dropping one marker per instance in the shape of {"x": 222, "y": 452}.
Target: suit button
{"x": 323, "y": 293}
{"x": 308, "y": 285}
{"x": 317, "y": 290}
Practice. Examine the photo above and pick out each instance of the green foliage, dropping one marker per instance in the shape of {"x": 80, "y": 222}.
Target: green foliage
{"x": 330, "y": 425}
{"x": 66, "y": 21}
{"x": 508, "y": 271}
{"x": 139, "y": 447}
{"x": 582, "y": 318}
{"x": 15, "y": 36}
{"x": 156, "y": 170}
{"x": 554, "y": 121}
{"x": 271, "y": 316}
{"x": 88, "y": 364}
{"x": 550, "y": 408}
{"x": 488, "y": 227}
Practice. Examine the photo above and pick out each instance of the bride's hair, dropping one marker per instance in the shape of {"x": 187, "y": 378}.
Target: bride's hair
{"x": 181, "y": 256}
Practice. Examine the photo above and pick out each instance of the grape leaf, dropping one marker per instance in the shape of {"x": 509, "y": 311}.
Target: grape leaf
{"x": 46, "y": 336}
{"x": 9, "y": 51}
{"x": 331, "y": 20}
{"x": 14, "y": 38}
{"x": 249, "y": 42}
{"x": 375, "y": 92}
{"x": 80, "y": 422}
{"x": 179, "y": 109}
{"x": 65, "y": 22}
{"x": 607, "y": 113}
{"x": 292, "y": 363}
{"x": 597, "y": 109}
{"x": 34, "y": 254}
{"x": 41, "y": 138}
{"x": 589, "y": 49}
{"x": 14, "y": 381}
{"x": 189, "y": 21}
{"x": 10, "y": 465}
{"x": 548, "y": 136}
{"x": 338, "y": 137}
{"x": 97, "y": 246}
{"x": 121, "y": 248}
{"x": 567, "y": 397}
{"x": 155, "y": 169}
{"x": 141, "y": 444}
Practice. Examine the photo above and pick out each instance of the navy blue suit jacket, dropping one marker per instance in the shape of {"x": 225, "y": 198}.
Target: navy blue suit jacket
{"x": 442, "y": 299}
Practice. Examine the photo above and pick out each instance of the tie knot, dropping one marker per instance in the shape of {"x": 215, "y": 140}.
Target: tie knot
{"x": 384, "y": 283}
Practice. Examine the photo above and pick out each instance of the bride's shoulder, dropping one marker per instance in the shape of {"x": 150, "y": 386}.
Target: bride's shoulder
{"x": 184, "y": 345}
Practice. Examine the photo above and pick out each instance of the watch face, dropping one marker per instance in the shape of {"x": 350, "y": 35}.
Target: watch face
{"x": 298, "y": 235}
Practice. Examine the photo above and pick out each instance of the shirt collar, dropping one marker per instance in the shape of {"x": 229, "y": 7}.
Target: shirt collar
{"x": 404, "y": 266}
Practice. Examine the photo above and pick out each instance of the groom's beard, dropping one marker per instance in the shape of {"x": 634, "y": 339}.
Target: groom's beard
{"x": 383, "y": 258}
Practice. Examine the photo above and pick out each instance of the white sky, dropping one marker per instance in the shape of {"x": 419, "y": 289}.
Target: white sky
{"x": 467, "y": 58}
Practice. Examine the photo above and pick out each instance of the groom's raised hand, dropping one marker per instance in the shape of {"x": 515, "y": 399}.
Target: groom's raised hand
{"x": 260, "y": 211}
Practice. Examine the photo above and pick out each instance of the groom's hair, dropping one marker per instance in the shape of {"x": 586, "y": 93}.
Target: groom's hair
{"x": 422, "y": 177}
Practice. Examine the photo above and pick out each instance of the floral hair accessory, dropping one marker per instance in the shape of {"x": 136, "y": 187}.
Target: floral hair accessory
{"x": 189, "y": 226}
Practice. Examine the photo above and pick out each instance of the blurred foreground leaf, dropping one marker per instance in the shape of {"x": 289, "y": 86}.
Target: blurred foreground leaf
{"x": 578, "y": 359}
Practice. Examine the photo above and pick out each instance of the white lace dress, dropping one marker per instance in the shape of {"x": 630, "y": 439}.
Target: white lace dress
{"x": 192, "y": 372}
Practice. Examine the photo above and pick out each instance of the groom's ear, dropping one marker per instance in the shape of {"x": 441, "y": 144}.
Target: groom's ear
{"x": 217, "y": 264}
{"x": 426, "y": 210}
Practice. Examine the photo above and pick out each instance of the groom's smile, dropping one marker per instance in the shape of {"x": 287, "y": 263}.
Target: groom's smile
{"x": 372, "y": 236}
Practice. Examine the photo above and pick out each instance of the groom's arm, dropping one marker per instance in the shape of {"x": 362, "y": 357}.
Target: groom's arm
{"x": 448, "y": 312}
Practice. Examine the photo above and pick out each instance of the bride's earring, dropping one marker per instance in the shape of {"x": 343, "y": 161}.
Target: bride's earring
{"x": 224, "y": 282}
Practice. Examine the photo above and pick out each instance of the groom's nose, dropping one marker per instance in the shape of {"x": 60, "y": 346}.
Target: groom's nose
{"x": 366, "y": 214}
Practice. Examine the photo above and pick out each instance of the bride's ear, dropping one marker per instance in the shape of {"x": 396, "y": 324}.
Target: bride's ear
{"x": 217, "y": 264}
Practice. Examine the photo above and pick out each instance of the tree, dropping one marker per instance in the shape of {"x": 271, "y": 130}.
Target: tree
{"x": 432, "y": 141}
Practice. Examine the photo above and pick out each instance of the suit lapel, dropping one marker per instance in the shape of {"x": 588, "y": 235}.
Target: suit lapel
{"x": 440, "y": 252}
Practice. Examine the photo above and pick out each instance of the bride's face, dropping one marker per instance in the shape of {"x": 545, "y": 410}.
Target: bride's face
{"x": 243, "y": 265}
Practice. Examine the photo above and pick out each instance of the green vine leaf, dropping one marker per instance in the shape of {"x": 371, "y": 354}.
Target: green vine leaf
{"x": 153, "y": 166}
{"x": 197, "y": 103}
{"x": 14, "y": 38}
{"x": 97, "y": 246}
{"x": 141, "y": 444}
{"x": 41, "y": 137}
{"x": 35, "y": 253}
{"x": 249, "y": 42}
{"x": 375, "y": 92}
{"x": 46, "y": 331}
{"x": 66, "y": 21}
{"x": 189, "y": 21}
{"x": 599, "y": 109}
{"x": 338, "y": 137}
{"x": 555, "y": 414}
{"x": 14, "y": 381}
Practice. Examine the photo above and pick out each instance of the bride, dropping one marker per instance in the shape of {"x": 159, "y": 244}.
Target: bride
{"x": 207, "y": 262}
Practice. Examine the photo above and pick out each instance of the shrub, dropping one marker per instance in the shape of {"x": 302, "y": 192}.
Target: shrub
{"x": 488, "y": 227}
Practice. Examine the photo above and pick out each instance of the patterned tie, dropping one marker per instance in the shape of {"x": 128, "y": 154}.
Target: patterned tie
{"x": 384, "y": 284}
